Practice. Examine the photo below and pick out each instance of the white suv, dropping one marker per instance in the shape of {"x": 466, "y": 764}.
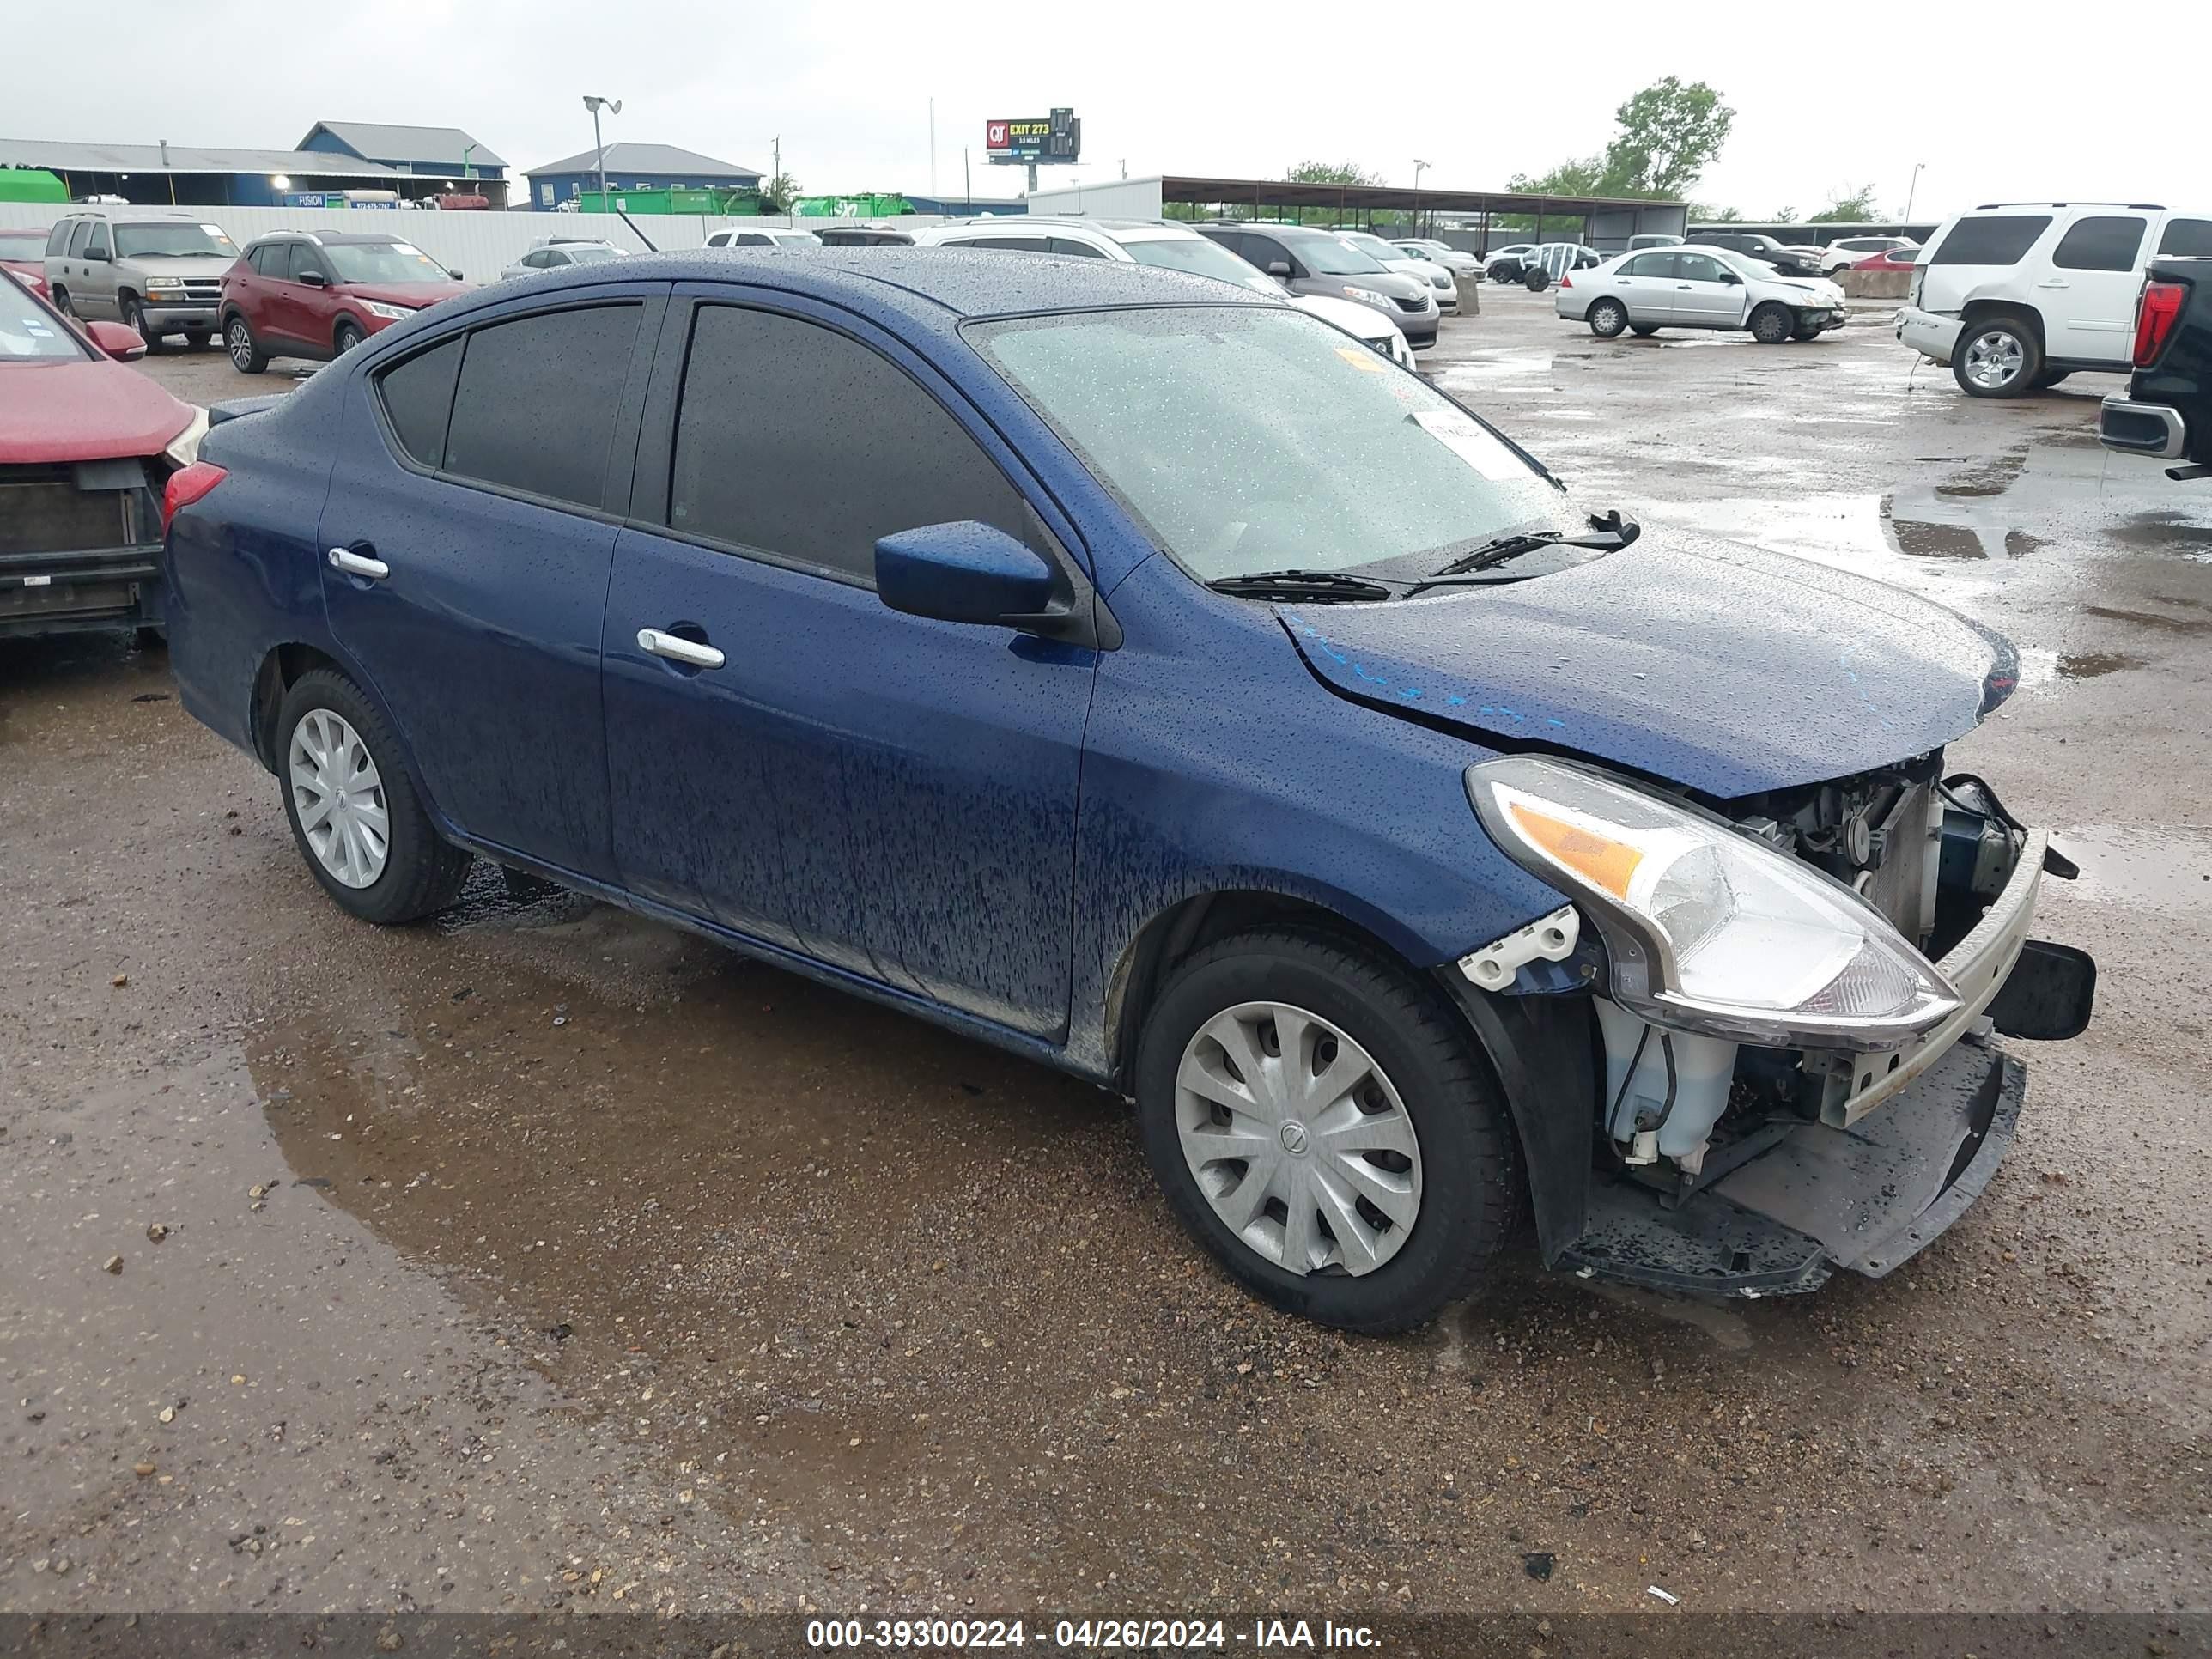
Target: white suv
{"x": 2016, "y": 296}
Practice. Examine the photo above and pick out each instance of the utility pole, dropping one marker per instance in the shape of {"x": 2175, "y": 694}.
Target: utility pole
{"x": 1913, "y": 190}
{"x": 967, "y": 182}
{"x": 933, "y": 147}
{"x": 1419, "y": 167}
{"x": 594, "y": 103}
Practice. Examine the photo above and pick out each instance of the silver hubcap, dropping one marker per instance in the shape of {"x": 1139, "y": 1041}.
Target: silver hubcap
{"x": 1994, "y": 360}
{"x": 339, "y": 798}
{"x": 1298, "y": 1140}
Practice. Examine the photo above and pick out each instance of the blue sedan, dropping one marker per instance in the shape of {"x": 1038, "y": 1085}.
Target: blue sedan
{"x": 1140, "y": 675}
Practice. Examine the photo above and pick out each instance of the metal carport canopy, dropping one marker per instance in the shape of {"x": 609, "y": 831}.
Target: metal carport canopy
{"x": 1429, "y": 199}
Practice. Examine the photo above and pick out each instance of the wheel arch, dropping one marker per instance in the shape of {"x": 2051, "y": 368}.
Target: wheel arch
{"x": 1979, "y": 310}
{"x": 282, "y": 666}
{"x": 341, "y": 320}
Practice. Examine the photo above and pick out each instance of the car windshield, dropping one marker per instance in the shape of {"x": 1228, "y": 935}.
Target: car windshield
{"x": 586, "y": 255}
{"x": 1255, "y": 437}
{"x": 28, "y": 330}
{"x": 393, "y": 262}
{"x": 1200, "y": 257}
{"x": 22, "y": 243}
{"x": 797, "y": 239}
{"x": 1332, "y": 256}
{"x": 164, "y": 240}
{"x": 1374, "y": 245}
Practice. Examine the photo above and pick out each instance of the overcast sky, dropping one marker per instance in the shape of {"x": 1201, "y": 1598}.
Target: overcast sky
{"x": 1996, "y": 103}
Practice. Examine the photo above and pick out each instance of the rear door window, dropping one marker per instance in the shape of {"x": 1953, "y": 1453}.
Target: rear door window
{"x": 799, "y": 443}
{"x": 418, "y": 399}
{"x": 2187, "y": 239}
{"x": 58, "y": 239}
{"x": 1649, "y": 265}
{"x": 2102, "y": 241}
{"x": 1991, "y": 239}
{"x": 536, "y": 406}
{"x": 268, "y": 260}
{"x": 1069, "y": 245}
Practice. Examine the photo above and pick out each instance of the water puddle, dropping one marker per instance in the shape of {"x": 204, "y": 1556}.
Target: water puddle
{"x": 2141, "y": 866}
{"x": 2095, "y": 664}
{"x": 2165, "y": 531}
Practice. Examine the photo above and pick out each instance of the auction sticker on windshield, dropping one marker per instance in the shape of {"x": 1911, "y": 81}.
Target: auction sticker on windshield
{"x": 1467, "y": 440}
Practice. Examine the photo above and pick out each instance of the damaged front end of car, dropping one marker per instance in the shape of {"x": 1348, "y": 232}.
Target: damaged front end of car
{"x": 1790, "y": 1004}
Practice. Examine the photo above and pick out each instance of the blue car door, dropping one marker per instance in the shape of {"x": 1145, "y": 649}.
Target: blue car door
{"x": 466, "y": 541}
{"x": 893, "y": 796}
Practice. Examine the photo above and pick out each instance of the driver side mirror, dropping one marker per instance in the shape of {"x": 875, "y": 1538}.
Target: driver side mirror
{"x": 1730, "y": 279}
{"x": 314, "y": 279}
{"x": 965, "y": 572}
{"x": 98, "y": 256}
{"x": 117, "y": 340}
{"x": 455, "y": 275}
{"x": 1279, "y": 267}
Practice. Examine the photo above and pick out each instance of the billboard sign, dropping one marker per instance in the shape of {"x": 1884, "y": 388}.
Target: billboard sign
{"x": 1055, "y": 140}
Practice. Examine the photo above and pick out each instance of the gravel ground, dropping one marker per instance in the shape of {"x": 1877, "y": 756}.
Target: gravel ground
{"x": 545, "y": 1257}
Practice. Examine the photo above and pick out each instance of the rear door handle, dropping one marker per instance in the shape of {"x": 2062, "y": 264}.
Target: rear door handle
{"x": 2054, "y": 282}
{"x": 359, "y": 564}
{"x": 677, "y": 649}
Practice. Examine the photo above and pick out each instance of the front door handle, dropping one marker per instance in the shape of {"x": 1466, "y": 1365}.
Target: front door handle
{"x": 677, "y": 649}
{"x": 359, "y": 564}
{"x": 2054, "y": 282}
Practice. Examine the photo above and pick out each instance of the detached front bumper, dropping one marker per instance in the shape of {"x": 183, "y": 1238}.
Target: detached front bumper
{"x": 1928, "y": 334}
{"x": 1907, "y": 1138}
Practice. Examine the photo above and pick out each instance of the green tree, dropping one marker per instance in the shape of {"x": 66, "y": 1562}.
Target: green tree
{"x": 1670, "y": 135}
{"x": 1850, "y": 207}
{"x": 1331, "y": 173}
{"x": 1702, "y": 215}
{"x": 1785, "y": 216}
{"x": 1584, "y": 176}
{"x": 777, "y": 194}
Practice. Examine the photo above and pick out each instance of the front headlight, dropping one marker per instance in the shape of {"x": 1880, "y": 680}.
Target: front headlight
{"x": 1366, "y": 296}
{"x": 184, "y": 448}
{"x": 390, "y": 314}
{"x": 1710, "y": 929}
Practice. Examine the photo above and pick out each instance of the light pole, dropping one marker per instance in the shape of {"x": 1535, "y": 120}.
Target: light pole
{"x": 613, "y": 106}
{"x": 1913, "y": 190}
{"x": 1419, "y": 167}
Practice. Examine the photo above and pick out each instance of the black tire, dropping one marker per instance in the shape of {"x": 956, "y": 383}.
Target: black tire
{"x": 134, "y": 314}
{"x": 347, "y": 335}
{"x": 1809, "y": 331}
{"x": 423, "y": 872}
{"x": 1990, "y": 335}
{"x": 1470, "y": 1179}
{"x": 1772, "y": 323}
{"x": 1643, "y": 330}
{"x": 1607, "y": 318}
{"x": 246, "y": 355}
{"x": 197, "y": 338}
{"x": 1536, "y": 279}
{"x": 60, "y": 297}
{"x": 2049, "y": 377}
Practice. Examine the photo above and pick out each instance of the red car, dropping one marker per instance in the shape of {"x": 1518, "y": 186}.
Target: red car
{"x": 318, "y": 295}
{"x": 91, "y": 455}
{"x": 1895, "y": 258}
{"x": 23, "y": 251}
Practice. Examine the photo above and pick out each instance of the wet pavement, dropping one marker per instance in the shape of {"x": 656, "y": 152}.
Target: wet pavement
{"x": 542, "y": 1256}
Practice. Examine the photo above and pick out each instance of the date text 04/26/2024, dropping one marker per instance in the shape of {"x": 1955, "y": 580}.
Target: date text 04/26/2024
{"x": 1093, "y": 1634}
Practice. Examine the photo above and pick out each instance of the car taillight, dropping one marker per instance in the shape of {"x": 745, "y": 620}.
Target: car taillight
{"x": 2154, "y": 314}
{"x": 1566, "y": 282}
{"x": 186, "y": 485}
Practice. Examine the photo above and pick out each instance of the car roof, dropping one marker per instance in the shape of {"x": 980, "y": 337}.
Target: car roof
{"x": 327, "y": 238}
{"x": 936, "y": 287}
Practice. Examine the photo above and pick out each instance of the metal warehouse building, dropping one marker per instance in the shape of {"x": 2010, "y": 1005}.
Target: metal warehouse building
{"x": 635, "y": 166}
{"x": 444, "y": 157}
{"x": 188, "y": 175}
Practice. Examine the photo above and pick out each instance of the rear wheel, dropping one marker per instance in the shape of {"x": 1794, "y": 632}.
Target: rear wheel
{"x": 1320, "y": 1119}
{"x": 60, "y": 297}
{"x": 1607, "y": 318}
{"x": 364, "y": 832}
{"x": 1771, "y": 325}
{"x": 1536, "y": 279}
{"x": 348, "y": 335}
{"x": 246, "y": 355}
{"x": 1997, "y": 357}
{"x": 134, "y": 313}
{"x": 2049, "y": 377}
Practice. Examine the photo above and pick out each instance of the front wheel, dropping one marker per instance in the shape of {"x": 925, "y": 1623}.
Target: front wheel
{"x": 2049, "y": 377}
{"x": 1607, "y": 318}
{"x": 349, "y": 335}
{"x": 1771, "y": 325}
{"x": 1998, "y": 358}
{"x": 359, "y": 823}
{"x": 1536, "y": 279}
{"x": 1320, "y": 1119}
{"x": 134, "y": 313}
{"x": 1643, "y": 330}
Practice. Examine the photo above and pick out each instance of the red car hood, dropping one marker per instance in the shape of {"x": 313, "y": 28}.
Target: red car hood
{"x": 83, "y": 411}
{"x": 413, "y": 295}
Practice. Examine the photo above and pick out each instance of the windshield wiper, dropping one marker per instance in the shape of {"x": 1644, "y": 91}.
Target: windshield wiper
{"x": 1609, "y": 532}
{"x": 1298, "y": 584}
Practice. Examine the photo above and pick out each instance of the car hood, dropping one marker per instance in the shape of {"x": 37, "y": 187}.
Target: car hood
{"x": 1364, "y": 322}
{"x": 153, "y": 267}
{"x": 1720, "y": 667}
{"x": 83, "y": 411}
{"x": 414, "y": 295}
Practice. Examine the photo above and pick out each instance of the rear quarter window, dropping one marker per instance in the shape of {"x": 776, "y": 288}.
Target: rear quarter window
{"x": 1994, "y": 238}
{"x": 418, "y": 399}
{"x": 2187, "y": 239}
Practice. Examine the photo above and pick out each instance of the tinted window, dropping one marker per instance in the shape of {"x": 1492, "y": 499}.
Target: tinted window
{"x": 1648, "y": 264}
{"x": 82, "y": 235}
{"x": 418, "y": 396}
{"x": 2187, "y": 239}
{"x": 2104, "y": 241}
{"x": 99, "y": 242}
{"x": 537, "y": 403}
{"x": 801, "y": 443}
{"x": 58, "y": 241}
{"x": 1081, "y": 249}
{"x": 754, "y": 239}
{"x": 1698, "y": 267}
{"x": 268, "y": 260}
{"x": 1990, "y": 240}
{"x": 302, "y": 260}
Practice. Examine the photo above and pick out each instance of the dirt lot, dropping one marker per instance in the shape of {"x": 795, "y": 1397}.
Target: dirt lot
{"x": 543, "y": 1256}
